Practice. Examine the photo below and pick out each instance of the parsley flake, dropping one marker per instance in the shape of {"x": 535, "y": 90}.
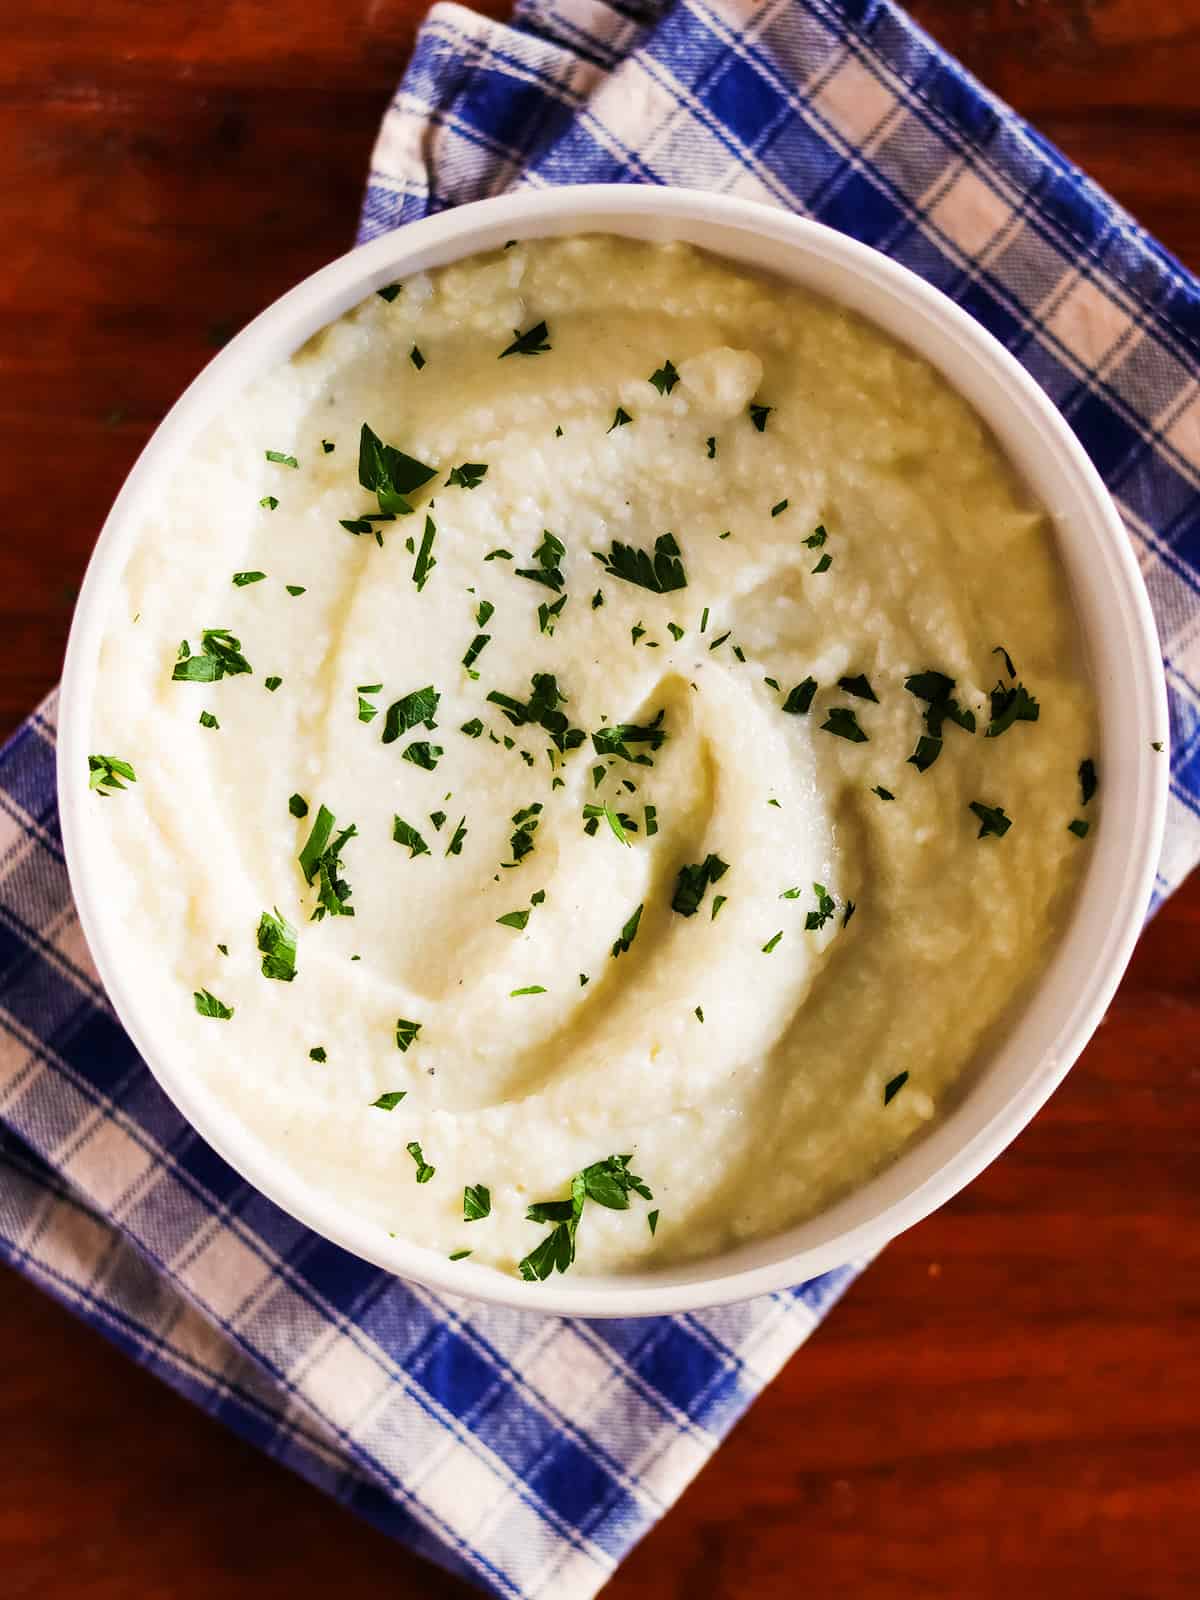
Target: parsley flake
{"x": 241, "y": 579}
{"x": 209, "y": 1006}
{"x": 269, "y": 502}
{"x": 860, "y": 686}
{"x": 390, "y": 475}
{"x": 825, "y": 908}
{"x": 992, "y": 820}
{"x": 842, "y": 722}
{"x": 108, "y": 773}
{"x": 1079, "y": 828}
{"x": 620, "y": 419}
{"x": 320, "y": 862}
{"x": 617, "y": 823}
{"x": 779, "y": 507}
{"x": 710, "y": 445}
{"x": 1088, "y": 781}
{"x": 207, "y": 720}
{"x": 693, "y": 882}
{"x": 541, "y": 709}
{"x": 607, "y": 1183}
{"x": 661, "y": 573}
{"x": 454, "y": 848}
{"x": 665, "y": 379}
{"x": 615, "y": 739}
{"x": 410, "y": 710}
{"x": 548, "y": 556}
{"x": 317, "y": 1054}
{"x": 474, "y": 650}
{"x": 272, "y": 683}
{"x": 477, "y": 1202}
{"x": 534, "y": 341}
{"x": 281, "y": 460}
{"x": 389, "y": 291}
{"x": 415, "y": 356}
{"x": 406, "y": 1034}
{"x": 295, "y": 589}
{"x": 1009, "y": 705}
{"x": 884, "y": 794}
{"x": 277, "y": 945}
{"x": 514, "y": 919}
{"x": 759, "y": 415}
{"x": 800, "y": 698}
{"x": 424, "y": 1170}
{"x": 772, "y": 942}
{"x": 298, "y": 805}
{"x": 893, "y": 1087}
{"x": 628, "y": 933}
{"x": 404, "y": 833}
{"x": 467, "y": 476}
{"x": 221, "y": 657}
{"x": 531, "y": 988}
{"x": 389, "y": 1100}
{"x": 459, "y": 1255}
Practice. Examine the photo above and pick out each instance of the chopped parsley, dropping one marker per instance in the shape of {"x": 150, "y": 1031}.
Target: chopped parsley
{"x": 390, "y": 475}
{"x": 824, "y": 564}
{"x": 484, "y": 611}
{"x": 665, "y": 379}
{"x": 638, "y": 631}
{"x": 108, "y": 773}
{"x": 437, "y": 818}
{"x": 893, "y": 1087}
{"x": 472, "y": 729}
{"x": 525, "y": 823}
{"x": 825, "y": 908}
{"x": 999, "y": 650}
{"x": 661, "y": 573}
{"x": 652, "y": 1216}
{"x": 277, "y": 945}
{"x": 459, "y": 1255}
{"x": 321, "y": 863}
{"x": 759, "y": 415}
{"x": 710, "y": 445}
{"x": 221, "y": 657}
{"x": 615, "y": 739}
{"x": 627, "y": 934}
{"x": 389, "y": 291}
{"x": 860, "y": 686}
{"x": 389, "y": 1100}
{"x": 467, "y": 476}
{"x": 295, "y": 589}
{"x": 403, "y": 833}
{"x": 616, "y": 822}
{"x": 209, "y": 1006}
{"x": 620, "y": 419}
{"x": 298, "y": 805}
{"x": 423, "y": 754}
{"x": 406, "y": 1034}
{"x": 800, "y": 698}
{"x": 549, "y": 614}
{"x": 530, "y": 988}
{"x": 477, "y": 1202}
{"x": 779, "y": 507}
{"x": 474, "y": 650}
{"x": 424, "y": 1170}
{"x": 717, "y": 643}
{"x": 940, "y": 707}
{"x": 409, "y": 711}
{"x": 207, "y": 720}
{"x": 1010, "y": 704}
{"x": 534, "y": 341}
{"x": 241, "y": 579}
{"x": 718, "y": 901}
{"x": 280, "y": 459}
{"x": 884, "y": 794}
{"x": 841, "y": 721}
{"x": 514, "y": 919}
{"x": 817, "y": 537}
{"x": 327, "y": 446}
{"x": 848, "y": 912}
{"x": 498, "y": 555}
{"x": 693, "y": 882}
{"x": 366, "y": 711}
{"x": 415, "y": 356}
{"x": 1088, "y": 781}
{"x": 675, "y": 631}
{"x": 541, "y": 709}
{"x": 704, "y": 619}
{"x": 317, "y": 1054}
{"x": 992, "y": 820}
{"x": 454, "y": 848}
{"x": 1079, "y": 828}
{"x": 269, "y": 502}
{"x": 1157, "y": 744}
{"x": 651, "y": 814}
{"x": 772, "y": 942}
{"x": 608, "y": 1183}
{"x": 597, "y": 599}
{"x": 548, "y": 556}
{"x": 272, "y": 683}
{"x": 425, "y": 562}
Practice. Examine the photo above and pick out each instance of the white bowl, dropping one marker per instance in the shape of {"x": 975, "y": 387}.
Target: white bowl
{"x": 1123, "y": 653}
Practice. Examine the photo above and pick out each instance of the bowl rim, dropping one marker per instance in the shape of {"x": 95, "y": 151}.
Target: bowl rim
{"x": 1137, "y": 836}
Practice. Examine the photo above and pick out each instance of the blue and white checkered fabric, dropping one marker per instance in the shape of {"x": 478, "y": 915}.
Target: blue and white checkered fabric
{"x": 529, "y": 1453}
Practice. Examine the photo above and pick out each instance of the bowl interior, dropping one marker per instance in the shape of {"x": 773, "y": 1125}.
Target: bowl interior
{"x": 1049, "y": 1031}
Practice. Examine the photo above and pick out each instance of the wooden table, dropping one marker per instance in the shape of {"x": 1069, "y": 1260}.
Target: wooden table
{"x": 1009, "y": 1401}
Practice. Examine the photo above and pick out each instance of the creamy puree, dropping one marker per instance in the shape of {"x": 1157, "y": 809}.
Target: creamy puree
{"x": 749, "y": 1057}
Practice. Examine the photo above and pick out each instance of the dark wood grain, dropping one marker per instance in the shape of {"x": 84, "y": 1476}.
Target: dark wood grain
{"x": 1009, "y": 1401}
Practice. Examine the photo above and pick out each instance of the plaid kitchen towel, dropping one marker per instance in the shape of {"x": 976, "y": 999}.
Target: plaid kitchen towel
{"x": 527, "y": 1453}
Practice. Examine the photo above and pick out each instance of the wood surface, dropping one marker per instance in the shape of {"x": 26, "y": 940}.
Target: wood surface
{"x": 1008, "y": 1402}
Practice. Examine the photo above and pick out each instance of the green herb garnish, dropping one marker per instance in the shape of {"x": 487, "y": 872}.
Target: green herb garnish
{"x": 825, "y": 908}
{"x": 615, "y": 822}
{"x": 1088, "y": 781}
{"x": 403, "y": 833}
{"x": 549, "y": 614}
{"x": 884, "y": 794}
{"x": 628, "y": 933}
{"x": 541, "y": 709}
{"x": 1009, "y": 705}
{"x": 295, "y": 589}
{"x": 693, "y": 882}
{"x": 759, "y": 415}
{"x": 406, "y": 1033}
{"x": 408, "y": 712}
{"x": 467, "y": 476}
{"x": 665, "y": 379}
{"x": 241, "y": 579}
{"x": 209, "y": 1006}
{"x": 772, "y": 942}
{"x": 472, "y": 729}
{"x": 272, "y": 683}
{"x": 893, "y": 1087}
{"x": 390, "y": 475}
{"x": 548, "y": 556}
{"x": 320, "y": 862}
{"x": 841, "y": 721}
{"x": 415, "y": 356}
{"x": 474, "y": 650}
{"x": 514, "y": 919}
{"x": 824, "y": 564}
{"x": 366, "y": 711}
{"x": 661, "y": 573}
{"x": 277, "y": 945}
{"x": 459, "y": 1255}
{"x": 710, "y": 445}
{"x": 269, "y": 502}
{"x": 651, "y": 815}
{"x": 425, "y": 562}
{"x": 424, "y": 1170}
{"x": 992, "y": 820}
{"x": 620, "y": 419}
{"x": 779, "y": 507}
{"x": 298, "y": 805}
{"x": 1079, "y": 828}
{"x": 525, "y": 822}
{"x": 615, "y": 739}
{"x": 860, "y": 686}
{"x": 389, "y": 291}
{"x": 221, "y": 657}
{"x": 281, "y": 460}
{"x": 534, "y": 341}
{"x": 107, "y": 773}
{"x": 800, "y": 698}
{"x": 327, "y": 446}
{"x": 454, "y": 848}
{"x": 207, "y": 720}
{"x": 477, "y": 1202}
{"x": 530, "y": 988}
{"x": 389, "y": 1101}
{"x": 423, "y": 754}
{"x": 608, "y": 1183}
